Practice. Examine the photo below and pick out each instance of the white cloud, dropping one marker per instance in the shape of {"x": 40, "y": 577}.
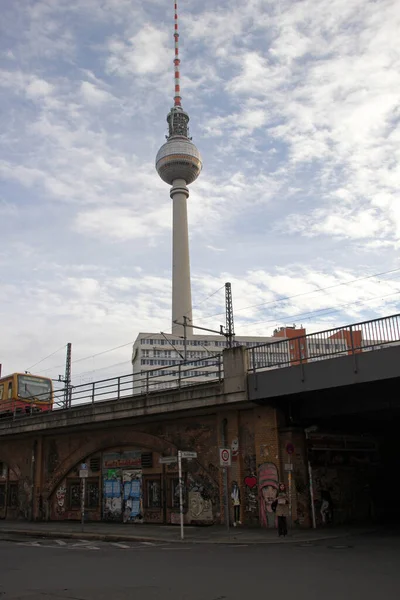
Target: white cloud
{"x": 294, "y": 107}
{"x": 142, "y": 54}
{"x": 93, "y": 95}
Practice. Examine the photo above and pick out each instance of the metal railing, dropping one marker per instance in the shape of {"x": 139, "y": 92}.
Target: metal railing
{"x": 331, "y": 343}
{"x": 164, "y": 378}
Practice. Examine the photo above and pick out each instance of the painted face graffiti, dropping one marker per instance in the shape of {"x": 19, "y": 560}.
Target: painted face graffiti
{"x": 268, "y": 483}
{"x": 60, "y": 498}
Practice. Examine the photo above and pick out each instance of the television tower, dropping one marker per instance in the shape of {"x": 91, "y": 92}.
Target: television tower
{"x": 179, "y": 163}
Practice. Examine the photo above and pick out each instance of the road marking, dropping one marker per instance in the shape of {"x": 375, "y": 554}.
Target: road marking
{"x": 148, "y": 543}
{"x": 35, "y": 544}
{"x": 186, "y": 548}
{"x": 123, "y": 546}
{"x": 61, "y": 542}
{"x": 84, "y": 545}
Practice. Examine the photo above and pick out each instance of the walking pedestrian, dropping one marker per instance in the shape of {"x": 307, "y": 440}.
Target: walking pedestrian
{"x": 282, "y": 510}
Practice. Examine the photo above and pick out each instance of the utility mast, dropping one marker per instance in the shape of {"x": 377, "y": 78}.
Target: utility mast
{"x": 230, "y": 330}
{"x": 67, "y": 377}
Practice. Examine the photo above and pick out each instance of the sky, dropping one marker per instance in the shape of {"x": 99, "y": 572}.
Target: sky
{"x": 295, "y": 107}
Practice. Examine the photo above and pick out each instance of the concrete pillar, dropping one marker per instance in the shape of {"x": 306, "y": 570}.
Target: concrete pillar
{"x": 181, "y": 290}
{"x": 235, "y": 370}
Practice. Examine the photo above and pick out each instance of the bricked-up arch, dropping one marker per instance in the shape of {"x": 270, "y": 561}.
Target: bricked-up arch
{"x": 137, "y": 439}
{"x": 11, "y": 466}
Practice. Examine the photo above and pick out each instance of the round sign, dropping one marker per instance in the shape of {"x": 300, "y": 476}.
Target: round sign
{"x": 290, "y": 448}
{"x": 225, "y": 455}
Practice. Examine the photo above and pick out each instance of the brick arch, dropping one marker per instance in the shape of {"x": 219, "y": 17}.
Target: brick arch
{"x": 137, "y": 439}
{"x": 12, "y": 466}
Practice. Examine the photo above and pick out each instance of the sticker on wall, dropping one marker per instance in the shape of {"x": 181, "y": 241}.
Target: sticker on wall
{"x": 235, "y": 447}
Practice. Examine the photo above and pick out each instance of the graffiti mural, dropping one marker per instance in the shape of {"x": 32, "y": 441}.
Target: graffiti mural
{"x": 203, "y": 494}
{"x": 200, "y": 509}
{"x": 60, "y": 499}
{"x": 268, "y": 481}
{"x": 250, "y": 482}
{"x": 133, "y": 503}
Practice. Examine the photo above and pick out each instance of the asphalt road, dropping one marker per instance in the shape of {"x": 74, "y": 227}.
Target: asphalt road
{"x": 364, "y": 567}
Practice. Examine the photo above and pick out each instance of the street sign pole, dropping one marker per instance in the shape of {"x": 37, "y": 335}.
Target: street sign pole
{"x": 226, "y": 498}
{"x": 83, "y": 474}
{"x": 180, "y": 492}
{"x": 225, "y": 459}
{"x": 83, "y": 504}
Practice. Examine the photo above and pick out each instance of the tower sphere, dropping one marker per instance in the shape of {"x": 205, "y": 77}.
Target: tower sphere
{"x": 178, "y": 158}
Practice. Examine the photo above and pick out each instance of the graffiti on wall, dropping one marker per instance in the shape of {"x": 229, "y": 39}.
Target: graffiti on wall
{"x": 60, "y": 499}
{"x": 200, "y": 509}
{"x": 268, "y": 481}
{"x": 235, "y": 448}
{"x": 250, "y": 482}
{"x": 202, "y": 495}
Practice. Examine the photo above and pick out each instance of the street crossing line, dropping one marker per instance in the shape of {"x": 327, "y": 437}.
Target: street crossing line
{"x": 61, "y": 542}
{"x": 118, "y": 545}
{"x": 148, "y": 543}
{"x": 36, "y": 544}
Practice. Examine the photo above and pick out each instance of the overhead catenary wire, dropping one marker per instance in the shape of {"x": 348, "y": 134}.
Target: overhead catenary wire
{"x": 329, "y": 287}
{"x": 285, "y": 318}
{"x": 46, "y": 357}
{"x": 88, "y": 357}
{"x": 330, "y": 310}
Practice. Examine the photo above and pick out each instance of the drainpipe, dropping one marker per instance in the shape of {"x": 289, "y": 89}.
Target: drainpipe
{"x": 307, "y": 431}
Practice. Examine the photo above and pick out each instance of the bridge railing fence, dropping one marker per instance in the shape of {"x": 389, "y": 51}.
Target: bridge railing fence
{"x": 166, "y": 378}
{"x": 331, "y": 343}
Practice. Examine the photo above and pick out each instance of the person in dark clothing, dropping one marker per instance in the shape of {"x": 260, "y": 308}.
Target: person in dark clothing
{"x": 282, "y": 510}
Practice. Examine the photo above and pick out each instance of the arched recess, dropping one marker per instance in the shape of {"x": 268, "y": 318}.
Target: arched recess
{"x": 13, "y": 467}
{"x": 137, "y": 439}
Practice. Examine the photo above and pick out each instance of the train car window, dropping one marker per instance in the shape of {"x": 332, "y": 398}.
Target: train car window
{"x": 10, "y": 391}
{"x": 1, "y": 390}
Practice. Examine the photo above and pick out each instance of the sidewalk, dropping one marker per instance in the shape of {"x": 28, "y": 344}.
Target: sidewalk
{"x": 216, "y": 534}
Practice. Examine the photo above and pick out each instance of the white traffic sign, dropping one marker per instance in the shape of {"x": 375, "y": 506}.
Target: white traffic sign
{"x": 225, "y": 458}
{"x": 288, "y": 467}
{"x": 186, "y": 454}
{"x": 83, "y": 473}
{"x": 168, "y": 460}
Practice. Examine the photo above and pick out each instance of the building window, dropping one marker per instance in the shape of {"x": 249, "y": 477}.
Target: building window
{"x": 74, "y": 495}
{"x": 92, "y": 494}
{"x": 13, "y": 495}
{"x": 2, "y": 495}
{"x": 152, "y": 493}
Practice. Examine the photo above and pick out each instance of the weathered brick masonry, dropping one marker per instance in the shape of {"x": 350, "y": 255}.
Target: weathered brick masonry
{"x": 122, "y": 445}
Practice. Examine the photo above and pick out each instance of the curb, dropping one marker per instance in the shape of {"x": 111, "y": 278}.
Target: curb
{"x": 106, "y": 537}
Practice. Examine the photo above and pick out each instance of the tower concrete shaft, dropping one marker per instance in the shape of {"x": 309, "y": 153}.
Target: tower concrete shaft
{"x": 181, "y": 289}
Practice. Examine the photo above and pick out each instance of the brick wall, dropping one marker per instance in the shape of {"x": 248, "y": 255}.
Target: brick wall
{"x": 251, "y": 434}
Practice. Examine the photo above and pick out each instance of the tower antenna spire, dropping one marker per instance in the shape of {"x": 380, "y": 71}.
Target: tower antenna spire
{"x": 177, "y": 61}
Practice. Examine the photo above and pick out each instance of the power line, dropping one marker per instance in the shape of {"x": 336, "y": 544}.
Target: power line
{"x": 46, "y": 357}
{"x": 122, "y": 345}
{"x": 329, "y": 287}
{"x": 330, "y": 311}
